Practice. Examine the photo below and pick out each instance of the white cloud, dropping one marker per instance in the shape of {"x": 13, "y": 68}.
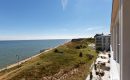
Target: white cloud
{"x": 64, "y": 4}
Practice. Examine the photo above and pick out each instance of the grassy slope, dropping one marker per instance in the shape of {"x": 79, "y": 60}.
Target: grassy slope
{"x": 48, "y": 64}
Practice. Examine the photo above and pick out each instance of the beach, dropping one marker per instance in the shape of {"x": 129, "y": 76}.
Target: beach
{"x": 25, "y": 60}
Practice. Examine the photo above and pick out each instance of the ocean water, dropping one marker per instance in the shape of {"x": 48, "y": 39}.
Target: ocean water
{"x": 24, "y": 49}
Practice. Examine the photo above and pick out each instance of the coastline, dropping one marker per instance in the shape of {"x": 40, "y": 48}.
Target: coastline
{"x": 61, "y": 62}
{"x": 22, "y": 61}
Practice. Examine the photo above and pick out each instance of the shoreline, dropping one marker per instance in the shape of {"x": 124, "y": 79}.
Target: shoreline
{"x": 29, "y": 58}
{"x": 22, "y": 61}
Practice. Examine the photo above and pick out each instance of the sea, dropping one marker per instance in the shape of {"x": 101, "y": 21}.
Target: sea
{"x": 11, "y": 51}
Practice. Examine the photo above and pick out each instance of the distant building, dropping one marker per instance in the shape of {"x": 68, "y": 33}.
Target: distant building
{"x": 102, "y": 42}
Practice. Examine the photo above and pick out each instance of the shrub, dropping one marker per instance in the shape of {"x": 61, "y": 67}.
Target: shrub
{"x": 95, "y": 66}
{"x": 97, "y": 73}
{"x": 80, "y": 54}
{"x": 76, "y": 65}
{"x": 38, "y": 63}
{"x": 109, "y": 55}
{"x": 97, "y": 51}
{"x": 90, "y": 56}
{"x": 84, "y": 47}
{"x": 56, "y": 50}
{"x": 102, "y": 73}
{"x": 103, "y": 64}
{"x": 61, "y": 52}
{"x": 81, "y": 46}
{"x": 77, "y": 47}
{"x": 91, "y": 75}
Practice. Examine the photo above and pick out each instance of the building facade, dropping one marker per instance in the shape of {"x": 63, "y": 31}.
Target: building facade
{"x": 120, "y": 39}
{"x": 102, "y": 42}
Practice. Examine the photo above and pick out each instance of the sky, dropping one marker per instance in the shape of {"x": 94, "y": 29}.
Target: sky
{"x": 53, "y": 19}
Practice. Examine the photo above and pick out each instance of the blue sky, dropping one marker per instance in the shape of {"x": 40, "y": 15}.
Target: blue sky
{"x": 53, "y": 19}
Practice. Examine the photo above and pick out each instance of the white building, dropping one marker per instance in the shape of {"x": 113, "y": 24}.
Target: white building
{"x": 102, "y": 42}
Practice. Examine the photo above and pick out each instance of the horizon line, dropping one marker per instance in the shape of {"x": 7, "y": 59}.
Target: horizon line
{"x": 42, "y": 39}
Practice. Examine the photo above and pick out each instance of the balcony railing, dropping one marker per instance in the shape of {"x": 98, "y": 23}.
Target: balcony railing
{"x": 114, "y": 71}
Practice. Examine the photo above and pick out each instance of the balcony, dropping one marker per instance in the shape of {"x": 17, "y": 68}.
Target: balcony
{"x": 115, "y": 70}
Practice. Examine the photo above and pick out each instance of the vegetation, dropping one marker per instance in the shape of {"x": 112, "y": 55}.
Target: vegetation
{"x": 80, "y": 54}
{"x": 56, "y": 51}
{"x": 65, "y": 62}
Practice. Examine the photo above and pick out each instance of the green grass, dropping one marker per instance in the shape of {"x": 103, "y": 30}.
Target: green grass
{"x": 49, "y": 63}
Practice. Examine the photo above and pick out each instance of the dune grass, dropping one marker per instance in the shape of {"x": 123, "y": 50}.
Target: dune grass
{"x": 65, "y": 57}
